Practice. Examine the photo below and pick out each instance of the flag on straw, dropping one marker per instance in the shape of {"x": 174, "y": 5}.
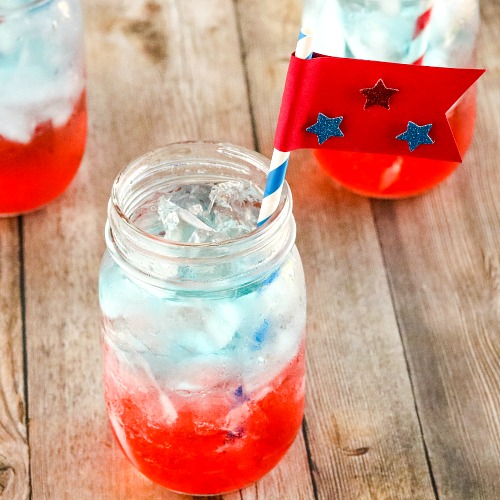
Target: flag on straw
{"x": 371, "y": 107}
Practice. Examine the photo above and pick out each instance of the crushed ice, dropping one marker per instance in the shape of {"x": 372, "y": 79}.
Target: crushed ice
{"x": 208, "y": 213}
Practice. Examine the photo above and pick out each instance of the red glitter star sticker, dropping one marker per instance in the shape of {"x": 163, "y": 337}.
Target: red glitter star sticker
{"x": 378, "y": 95}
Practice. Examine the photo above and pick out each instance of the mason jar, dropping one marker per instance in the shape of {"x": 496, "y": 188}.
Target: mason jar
{"x": 203, "y": 336}
{"x": 424, "y": 32}
{"x": 43, "y": 114}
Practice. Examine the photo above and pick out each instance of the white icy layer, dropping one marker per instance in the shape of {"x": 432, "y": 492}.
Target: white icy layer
{"x": 12, "y": 4}
{"x": 41, "y": 67}
{"x": 198, "y": 344}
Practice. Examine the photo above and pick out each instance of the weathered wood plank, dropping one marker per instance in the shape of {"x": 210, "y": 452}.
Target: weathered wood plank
{"x": 14, "y": 459}
{"x": 158, "y": 72}
{"x": 363, "y": 431}
{"x": 443, "y": 259}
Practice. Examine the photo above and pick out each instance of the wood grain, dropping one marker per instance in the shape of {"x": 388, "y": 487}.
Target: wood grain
{"x": 14, "y": 462}
{"x": 363, "y": 433}
{"x": 443, "y": 261}
{"x": 403, "y": 394}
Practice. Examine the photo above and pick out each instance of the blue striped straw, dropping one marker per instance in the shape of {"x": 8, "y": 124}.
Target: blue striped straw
{"x": 279, "y": 160}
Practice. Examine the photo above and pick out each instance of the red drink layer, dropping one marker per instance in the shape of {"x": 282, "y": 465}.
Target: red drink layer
{"x": 389, "y": 176}
{"x": 33, "y": 174}
{"x": 217, "y": 441}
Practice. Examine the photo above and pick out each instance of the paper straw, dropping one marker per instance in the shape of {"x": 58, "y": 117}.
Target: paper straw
{"x": 420, "y": 34}
{"x": 279, "y": 159}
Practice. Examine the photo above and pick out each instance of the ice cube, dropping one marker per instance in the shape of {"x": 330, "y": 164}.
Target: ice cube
{"x": 201, "y": 236}
{"x": 180, "y": 223}
{"x": 235, "y": 205}
{"x": 203, "y": 373}
{"x": 189, "y": 195}
{"x": 169, "y": 214}
{"x": 204, "y": 329}
{"x": 207, "y": 213}
{"x": 237, "y": 417}
{"x": 194, "y": 221}
{"x": 16, "y": 125}
{"x": 157, "y": 406}
{"x": 122, "y": 438}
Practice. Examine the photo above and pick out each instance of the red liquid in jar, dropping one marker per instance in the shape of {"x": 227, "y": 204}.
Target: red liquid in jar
{"x": 390, "y": 176}
{"x": 33, "y": 174}
{"x": 224, "y": 453}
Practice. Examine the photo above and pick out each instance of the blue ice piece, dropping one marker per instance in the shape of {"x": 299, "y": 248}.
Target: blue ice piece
{"x": 270, "y": 279}
{"x": 260, "y": 335}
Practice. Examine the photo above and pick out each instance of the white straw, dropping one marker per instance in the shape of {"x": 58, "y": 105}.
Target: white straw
{"x": 279, "y": 160}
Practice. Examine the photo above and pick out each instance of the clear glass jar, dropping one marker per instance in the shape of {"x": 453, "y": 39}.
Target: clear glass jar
{"x": 428, "y": 32}
{"x": 203, "y": 342}
{"x": 43, "y": 117}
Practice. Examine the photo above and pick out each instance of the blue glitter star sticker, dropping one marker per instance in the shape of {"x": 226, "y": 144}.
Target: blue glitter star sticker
{"x": 416, "y": 135}
{"x": 326, "y": 127}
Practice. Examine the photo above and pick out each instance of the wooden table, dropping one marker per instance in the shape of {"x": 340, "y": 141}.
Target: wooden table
{"x": 403, "y": 395}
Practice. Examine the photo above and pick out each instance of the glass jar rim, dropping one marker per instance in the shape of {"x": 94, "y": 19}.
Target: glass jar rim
{"x": 17, "y": 10}
{"x": 126, "y": 219}
{"x": 193, "y": 161}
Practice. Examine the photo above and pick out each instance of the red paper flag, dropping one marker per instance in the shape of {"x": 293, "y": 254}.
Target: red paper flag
{"x": 371, "y": 107}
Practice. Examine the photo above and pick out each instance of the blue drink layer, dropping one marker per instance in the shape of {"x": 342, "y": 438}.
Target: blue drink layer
{"x": 188, "y": 343}
{"x": 196, "y": 344}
